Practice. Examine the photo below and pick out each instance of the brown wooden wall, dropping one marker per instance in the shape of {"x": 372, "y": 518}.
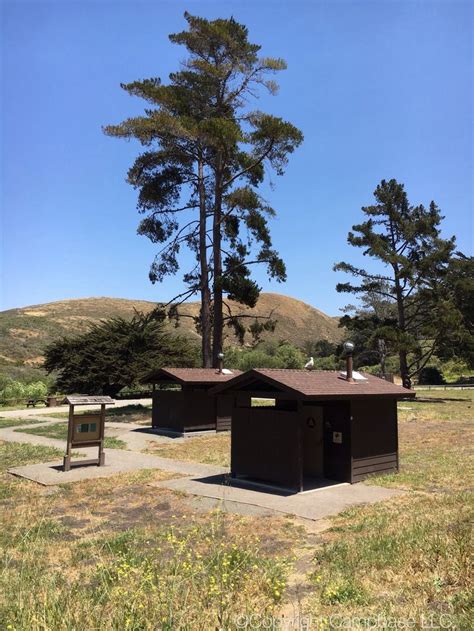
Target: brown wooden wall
{"x": 374, "y": 437}
{"x": 265, "y": 445}
{"x": 183, "y": 410}
{"x": 267, "y": 442}
{"x": 224, "y": 403}
{"x": 191, "y": 410}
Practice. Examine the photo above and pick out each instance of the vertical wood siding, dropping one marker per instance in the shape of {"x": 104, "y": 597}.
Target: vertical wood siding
{"x": 265, "y": 446}
{"x": 374, "y": 437}
{"x": 183, "y": 411}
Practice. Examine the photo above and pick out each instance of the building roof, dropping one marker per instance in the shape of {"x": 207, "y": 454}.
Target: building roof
{"x": 323, "y": 384}
{"x": 201, "y": 376}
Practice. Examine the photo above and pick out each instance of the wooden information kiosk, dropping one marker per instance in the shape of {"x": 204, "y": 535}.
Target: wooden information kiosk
{"x": 86, "y": 430}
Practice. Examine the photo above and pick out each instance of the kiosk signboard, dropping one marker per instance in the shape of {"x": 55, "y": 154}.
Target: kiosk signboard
{"x": 86, "y": 430}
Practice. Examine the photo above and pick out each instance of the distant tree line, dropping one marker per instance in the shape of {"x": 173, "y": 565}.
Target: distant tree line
{"x": 13, "y": 391}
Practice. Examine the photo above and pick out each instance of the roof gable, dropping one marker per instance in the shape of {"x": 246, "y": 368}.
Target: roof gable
{"x": 254, "y": 381}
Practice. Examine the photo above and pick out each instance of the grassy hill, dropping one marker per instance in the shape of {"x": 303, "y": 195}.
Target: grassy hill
{"x": 25, "y": 332}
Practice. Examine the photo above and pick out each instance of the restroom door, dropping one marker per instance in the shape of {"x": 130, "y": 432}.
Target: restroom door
{"x": 337, "y": 441}
{"x": 313, "y": 441}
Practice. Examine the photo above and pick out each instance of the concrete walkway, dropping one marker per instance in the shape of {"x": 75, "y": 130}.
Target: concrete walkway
{"x": 136, "y": 437}
{"x": 314, "y": 505}
{"x": 10, "y": 435}
{"x": 116, "y": 461}
{"x": 25, "y": 413}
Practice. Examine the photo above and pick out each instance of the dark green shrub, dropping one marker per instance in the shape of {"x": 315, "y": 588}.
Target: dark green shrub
{"x": 430, "y": 376}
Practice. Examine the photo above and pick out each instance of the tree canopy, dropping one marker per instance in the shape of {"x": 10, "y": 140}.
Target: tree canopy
{"x": 459, "y": 342}
{"x": 207, "y": 154}
{"x": 115, "y": 354}
{"x": 266, "y": 354}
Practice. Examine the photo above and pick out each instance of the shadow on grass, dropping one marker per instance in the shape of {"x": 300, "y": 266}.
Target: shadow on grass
{"x": 438, "y": 400}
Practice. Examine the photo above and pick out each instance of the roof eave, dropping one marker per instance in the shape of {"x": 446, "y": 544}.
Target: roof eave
{"x": 366, "y": 395}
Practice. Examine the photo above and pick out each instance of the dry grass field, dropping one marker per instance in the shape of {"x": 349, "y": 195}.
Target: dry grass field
{"x": 212, "y": 449}
{"x": 119, "y": 554}
{"x": 411, "y": 557}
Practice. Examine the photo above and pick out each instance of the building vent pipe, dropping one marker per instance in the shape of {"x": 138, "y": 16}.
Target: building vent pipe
{"x": 349, "y": 349}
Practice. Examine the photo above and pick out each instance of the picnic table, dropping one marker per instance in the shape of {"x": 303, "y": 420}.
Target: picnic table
{"x": 34, "y": 401}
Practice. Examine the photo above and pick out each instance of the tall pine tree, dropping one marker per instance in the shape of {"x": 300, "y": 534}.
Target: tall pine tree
{"x": 207, "y": 153}
{"x": 406, "y": 240}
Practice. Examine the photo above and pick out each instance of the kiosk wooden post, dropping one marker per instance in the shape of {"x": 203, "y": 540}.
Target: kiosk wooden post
{"x": 86, "y": 430}
{"x": 102, "y": 433}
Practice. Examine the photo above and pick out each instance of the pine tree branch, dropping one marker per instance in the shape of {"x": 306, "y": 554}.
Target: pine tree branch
{"x": 249, "y": 168}
{"x": 187, "y": 294}
{"x": 171, "y": 211}
{"x": 250, "y": 315}
{"x": 179, "y": 239}
{"x": 236, "y": 93}
{"x": 356, "y": 271}
{"x": 421, "y": 359}
{"x": 243, "y": 264}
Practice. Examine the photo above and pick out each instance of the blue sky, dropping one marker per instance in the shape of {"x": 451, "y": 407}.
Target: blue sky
{"x": 380, "y": 89}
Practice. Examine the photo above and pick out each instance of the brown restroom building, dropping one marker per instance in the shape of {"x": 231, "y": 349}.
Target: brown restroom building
{"x": 321, "y": 426}
{"x": 189, "y": 407}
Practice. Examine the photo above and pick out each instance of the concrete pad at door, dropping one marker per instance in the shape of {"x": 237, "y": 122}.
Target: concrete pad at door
{"x": 314, "y": 505}
{"x": 116, "y": 461}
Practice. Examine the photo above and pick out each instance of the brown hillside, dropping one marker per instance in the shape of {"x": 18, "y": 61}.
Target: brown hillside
{"x": 25, "y": 332}
{"x": 296, "y": 320}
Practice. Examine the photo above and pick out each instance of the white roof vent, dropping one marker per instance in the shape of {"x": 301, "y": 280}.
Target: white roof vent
{"x": 356, "y": 376}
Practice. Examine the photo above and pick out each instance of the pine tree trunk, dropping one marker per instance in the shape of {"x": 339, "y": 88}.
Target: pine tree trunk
{"x": 402, "y": 354}
{"x": 383, "y": 356}
{"x": 218, "y": 325}
{"x": 406, "y": 380}
{"x": 205, "y": 315}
